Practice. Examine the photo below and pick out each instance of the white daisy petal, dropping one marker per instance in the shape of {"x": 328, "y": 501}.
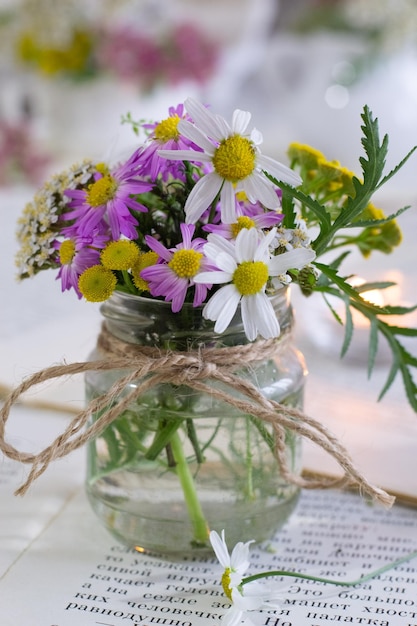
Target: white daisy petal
{"x": 223, "y": 261}
{"x": 246, "y": 244}
{"x": 293, "y": 259}
{"x": 228, "y": 203}
{"x": 220, "y": 548}
{"x": 248, "y": 319}
{"x": 201, "y": 196}
{"x": 266, "y": 319}
{"x": 194, "y": 134}
{"x": 256, "y": 136}
{"x": 185, "y": 155}
{"x": 262, "y": 251}
{"x": 221, "y": 307}
{"x": 224, "y": 128}
{"x": 279, "y": 171}
{"x": 221, "y": 244}
{"x": 203, "y": 118}
{"x": 226, "y": 263}
{"x": 228, "y": 311}
{"x": 214, "y": 278}
{"x": 257, "y": 186}
{"x": 232, "y": 617}
{"x": 240, "y": 121}
{"x": 239, "y": 559}
{"x": 246, "y": 602}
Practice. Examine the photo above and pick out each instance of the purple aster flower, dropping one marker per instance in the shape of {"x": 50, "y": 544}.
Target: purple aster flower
{"x": 176, "y": 269}
{"x": 109, "y": 197}
{"x": 77, "y": 254}
{"x": 165, "y": 135}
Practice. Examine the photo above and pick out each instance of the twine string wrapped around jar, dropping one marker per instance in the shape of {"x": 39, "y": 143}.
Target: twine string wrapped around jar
{"x": 200, "y": 369}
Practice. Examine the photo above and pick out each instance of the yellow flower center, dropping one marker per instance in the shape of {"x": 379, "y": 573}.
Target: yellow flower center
{"x": 66, "y": 252}
{"x": 167, "y": 129}
{"x": 102, "y": 168}
{"x": 250, "y": 276}
{"x": 242, "y": 222}
{"x": 146, "y": 259}
{"x": 226, "y": 583}
{"x": 97, "y": 283}
{"x": 101, "y": 191}
{"x": 234, "y": 159}
{"x": 186, "y": 263}
{"x": 120, "y": 255}
{"x": 241, "y": 196}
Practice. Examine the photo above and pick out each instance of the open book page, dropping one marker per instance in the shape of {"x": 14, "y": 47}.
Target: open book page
{"x": 75, "y": 573}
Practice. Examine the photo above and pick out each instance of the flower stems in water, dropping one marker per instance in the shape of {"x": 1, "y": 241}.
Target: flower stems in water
{"x": 198, "y": 521}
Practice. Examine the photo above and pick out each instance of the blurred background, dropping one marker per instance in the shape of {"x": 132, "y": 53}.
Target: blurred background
{"x": 69, "y": 71}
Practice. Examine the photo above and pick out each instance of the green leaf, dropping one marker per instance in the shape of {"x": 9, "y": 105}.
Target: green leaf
{"x": 348, "y": 330}
{"x": 377, "y": 222}
{"x": 372, "y": 168}
{"x": 288, "y": 209}
{"x": 397, "y": 167}
{"x": 315, "y": 207}
{"x": 333, "y": 311}
{"x": 391, "y": 377}
{"x": 398, "y": 310}
{"x": 402, "y": 361}
{"x": 403, "y": 330}
{"x": 373, "y": 345}
{"x": 374, "y": 285}
{"x": 350, "y": 291}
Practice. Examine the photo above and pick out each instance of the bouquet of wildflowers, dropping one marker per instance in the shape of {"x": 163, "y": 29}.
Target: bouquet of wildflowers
{"x": 198, "y": 214}
{"x": 181, "y": 219}
{"x": 198, "y": 217}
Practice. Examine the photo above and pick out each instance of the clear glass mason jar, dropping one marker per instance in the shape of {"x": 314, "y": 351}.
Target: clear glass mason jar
{"x": 180, "y": 462}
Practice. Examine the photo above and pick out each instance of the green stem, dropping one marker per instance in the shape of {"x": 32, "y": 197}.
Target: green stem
{"x": 192, "y": 502}
{"x": 330, "y": 581}
{"x": 249, "y": 466}
{"x": 192, "y": 435}
{"x": 163, "y": 437}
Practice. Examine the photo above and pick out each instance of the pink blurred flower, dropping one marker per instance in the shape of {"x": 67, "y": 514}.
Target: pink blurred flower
{"x": 20, "y": 159}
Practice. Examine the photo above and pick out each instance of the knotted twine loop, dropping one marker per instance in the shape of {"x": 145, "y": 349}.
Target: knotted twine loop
{"x": 201, "y": 369}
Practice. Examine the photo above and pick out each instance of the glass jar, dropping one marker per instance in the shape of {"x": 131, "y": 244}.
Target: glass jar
{"x": 178, "y": 462}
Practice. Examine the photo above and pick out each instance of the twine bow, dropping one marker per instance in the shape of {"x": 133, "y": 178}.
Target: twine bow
{"x": 202, "y": 370}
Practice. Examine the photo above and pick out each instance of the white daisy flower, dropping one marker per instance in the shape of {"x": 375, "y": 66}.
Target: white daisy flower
{"x": 248, "y": 597}
{"x": 246, "y": 265}
{"x": 236, "y": 159}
